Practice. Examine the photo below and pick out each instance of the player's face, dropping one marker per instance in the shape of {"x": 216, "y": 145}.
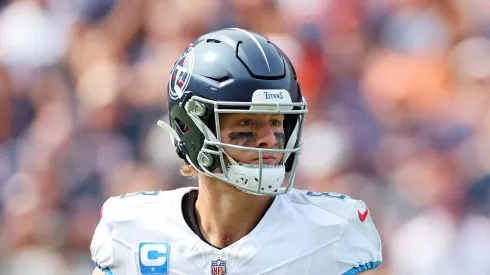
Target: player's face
{"x": 260, "y": 131}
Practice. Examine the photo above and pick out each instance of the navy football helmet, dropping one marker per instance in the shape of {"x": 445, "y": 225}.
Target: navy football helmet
{"x": 234, "y": 71}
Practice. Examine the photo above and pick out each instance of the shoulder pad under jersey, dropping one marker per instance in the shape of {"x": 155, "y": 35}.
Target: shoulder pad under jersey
{"x": 125, "y": 207}
{"x": 355, "y": 212}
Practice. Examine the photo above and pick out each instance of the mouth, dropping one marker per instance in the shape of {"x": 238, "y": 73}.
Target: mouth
{"x": 266, "y": 159}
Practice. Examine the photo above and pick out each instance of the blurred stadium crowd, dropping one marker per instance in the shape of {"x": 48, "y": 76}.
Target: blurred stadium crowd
{"x": 399, "y": 99}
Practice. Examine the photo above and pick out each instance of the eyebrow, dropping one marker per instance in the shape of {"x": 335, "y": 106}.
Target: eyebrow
{"x": 256, "y": 116}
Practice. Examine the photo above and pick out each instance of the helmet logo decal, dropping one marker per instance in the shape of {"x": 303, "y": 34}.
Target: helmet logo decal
{"x": 181, "y": 74}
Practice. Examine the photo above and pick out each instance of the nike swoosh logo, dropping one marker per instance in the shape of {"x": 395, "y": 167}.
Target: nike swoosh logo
{"x": 363, "y": 216}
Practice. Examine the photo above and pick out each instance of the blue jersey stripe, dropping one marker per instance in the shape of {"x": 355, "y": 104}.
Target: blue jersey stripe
{"x": 362, "y": 268}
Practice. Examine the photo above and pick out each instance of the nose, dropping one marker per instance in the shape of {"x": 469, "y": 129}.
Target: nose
{"x": 265, "y": 137}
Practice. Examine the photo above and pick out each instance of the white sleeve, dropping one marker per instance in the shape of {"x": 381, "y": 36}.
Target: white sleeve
{"x": 359, "y": 246}
{"x": 102, "y": 247}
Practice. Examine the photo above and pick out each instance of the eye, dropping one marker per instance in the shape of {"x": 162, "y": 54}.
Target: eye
{"x": 276, "y": 122}
{"x": 246, "y": 122}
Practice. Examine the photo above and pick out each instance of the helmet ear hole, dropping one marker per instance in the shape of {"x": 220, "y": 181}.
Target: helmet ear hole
{"x": 181, "y": 126}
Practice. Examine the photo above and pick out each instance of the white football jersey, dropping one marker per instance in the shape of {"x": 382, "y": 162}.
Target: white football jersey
{"x": 303, "y": 232}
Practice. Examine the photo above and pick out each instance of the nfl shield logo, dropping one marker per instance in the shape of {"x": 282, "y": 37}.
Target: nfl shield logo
{"x": 218, "y": 267}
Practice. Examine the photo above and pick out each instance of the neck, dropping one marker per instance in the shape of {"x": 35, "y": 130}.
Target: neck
{"x": 226, "y": 214}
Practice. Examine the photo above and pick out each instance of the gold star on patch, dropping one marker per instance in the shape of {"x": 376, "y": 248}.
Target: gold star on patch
{"x": 152, "y": 269}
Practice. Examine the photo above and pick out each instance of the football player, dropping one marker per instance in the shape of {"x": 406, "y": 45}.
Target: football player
{"x": 236, "y": 113}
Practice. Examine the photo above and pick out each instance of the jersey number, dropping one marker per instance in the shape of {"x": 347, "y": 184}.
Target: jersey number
{"x": 152, "y": 193}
